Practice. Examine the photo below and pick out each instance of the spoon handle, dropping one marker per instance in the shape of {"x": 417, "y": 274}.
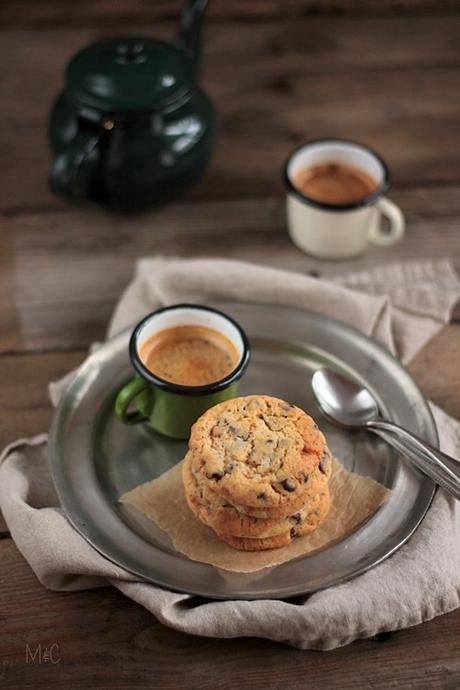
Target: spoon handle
{"x": 440, "y": 467}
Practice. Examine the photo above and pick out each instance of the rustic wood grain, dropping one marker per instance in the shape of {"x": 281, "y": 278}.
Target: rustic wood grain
{"x": 70, "y": 267}
{"x": 59, "y": 13}
{"x": 437, "y": 369}
{"x": 273, "y": 88}
{"x": 105, "y": 640}
{"x": 24, "y": 400}
{"x": 279, "y": 72}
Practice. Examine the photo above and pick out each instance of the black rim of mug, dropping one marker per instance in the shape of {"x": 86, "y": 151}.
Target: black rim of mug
{"x": 206, "y": 389}
{"x": 324, "y": 205}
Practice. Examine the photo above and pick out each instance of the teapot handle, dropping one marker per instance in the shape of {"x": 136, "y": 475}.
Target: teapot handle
{"x": 189, "y": 36}
{"x": 73, "y": 169}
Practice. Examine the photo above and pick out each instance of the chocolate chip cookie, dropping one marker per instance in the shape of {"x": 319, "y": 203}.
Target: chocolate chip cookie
{"x": 312, "y": 521}
{"x": 223, "y": 517}
{"x": 258, "y": 452}
{"x": 238, "y": 520}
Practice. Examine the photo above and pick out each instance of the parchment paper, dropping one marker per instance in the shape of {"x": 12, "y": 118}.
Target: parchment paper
{"x": 353, "y": 500}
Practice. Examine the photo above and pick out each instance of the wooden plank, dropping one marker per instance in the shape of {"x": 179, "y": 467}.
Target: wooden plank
{"x": 103, "y": 639}
{"x": 274, "y": 84}
{"x": 58, "y": 13}
{"x": 437, "y": 369}
{"x": 10, "y": 325}
{"x": 24, "y": 395}
{"x": 24, "y": 392}
{"x": 273, "y": 87}
{"x": 68, "y": 269}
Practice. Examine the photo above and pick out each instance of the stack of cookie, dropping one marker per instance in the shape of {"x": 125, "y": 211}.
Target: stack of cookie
{"x": 257, "y": 472}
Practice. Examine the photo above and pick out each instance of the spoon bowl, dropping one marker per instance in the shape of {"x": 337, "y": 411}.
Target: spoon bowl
{"x": 342, "y": 400}
{"x": 348, "y": 404}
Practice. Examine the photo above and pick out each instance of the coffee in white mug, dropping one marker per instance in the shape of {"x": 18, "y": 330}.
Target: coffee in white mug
{"x": 334, "y": 182}
{"x": 335, "y": 200}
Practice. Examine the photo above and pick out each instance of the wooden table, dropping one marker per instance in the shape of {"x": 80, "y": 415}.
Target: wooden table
{"x": 280, "y": 72}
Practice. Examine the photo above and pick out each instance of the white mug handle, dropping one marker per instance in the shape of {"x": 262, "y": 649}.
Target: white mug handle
{"x": 394, "y": 214}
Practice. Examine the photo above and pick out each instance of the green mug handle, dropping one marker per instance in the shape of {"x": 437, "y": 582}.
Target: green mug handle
{"x": 125, "y": 396}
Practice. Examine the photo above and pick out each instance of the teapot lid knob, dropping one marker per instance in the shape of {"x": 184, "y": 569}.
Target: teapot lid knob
{"x": 130, "y": 52}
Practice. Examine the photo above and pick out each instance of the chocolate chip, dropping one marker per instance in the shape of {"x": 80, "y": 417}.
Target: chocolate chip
{"x": 215, "y": 475}
{"x": 288, "y": 484}
{"x": 262, "y": 496}
{"x": 294, "y": 532}
{"x": 297, "y": 517}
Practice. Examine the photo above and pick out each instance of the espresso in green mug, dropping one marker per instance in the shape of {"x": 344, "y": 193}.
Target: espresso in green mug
{"x": 187, "y": 358}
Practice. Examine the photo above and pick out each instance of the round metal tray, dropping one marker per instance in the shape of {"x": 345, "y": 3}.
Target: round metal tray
{"x": 95, "y": 458}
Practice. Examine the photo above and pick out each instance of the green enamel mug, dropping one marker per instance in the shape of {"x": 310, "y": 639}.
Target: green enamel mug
{"x": 172, "y": 408}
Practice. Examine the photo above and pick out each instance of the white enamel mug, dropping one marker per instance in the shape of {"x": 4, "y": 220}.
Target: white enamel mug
{"x": 340, "y": 231}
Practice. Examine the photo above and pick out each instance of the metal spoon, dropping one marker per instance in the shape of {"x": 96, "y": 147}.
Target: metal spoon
{"x": 352, "y": 406}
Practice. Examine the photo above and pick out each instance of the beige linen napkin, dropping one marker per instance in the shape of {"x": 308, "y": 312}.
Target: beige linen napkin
{"x": 402, "y": 306}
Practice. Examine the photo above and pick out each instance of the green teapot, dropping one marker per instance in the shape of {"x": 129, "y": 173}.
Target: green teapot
{"x": 132, "y": 128}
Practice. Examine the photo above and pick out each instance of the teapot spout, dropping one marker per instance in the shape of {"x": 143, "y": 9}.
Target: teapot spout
{"x": 189, "y": 36}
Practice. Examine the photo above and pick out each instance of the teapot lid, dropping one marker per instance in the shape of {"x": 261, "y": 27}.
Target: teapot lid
{"x": 129, "y": 74}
